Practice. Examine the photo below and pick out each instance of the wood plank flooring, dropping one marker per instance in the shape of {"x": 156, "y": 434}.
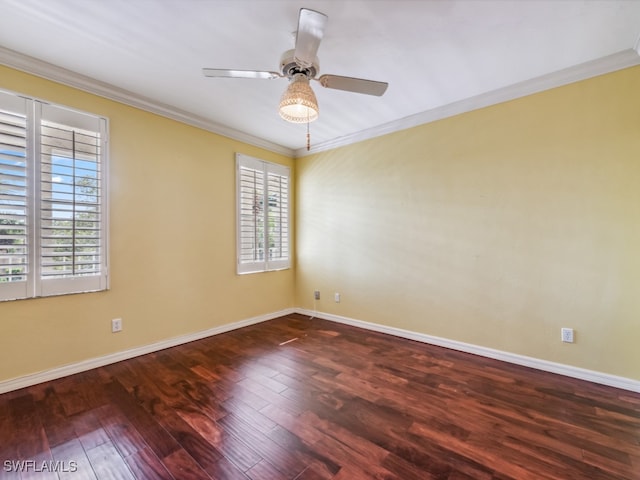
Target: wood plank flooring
{"x": 335, "y": 402}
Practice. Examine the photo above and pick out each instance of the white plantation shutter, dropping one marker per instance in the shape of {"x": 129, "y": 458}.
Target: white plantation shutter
{"x": 263, "y": 215}
{"x": 278, "y": 216}
{"x": 14, "y": 220}
{"x": 55, "y": 205}
{"x": 72, "y": 220}
{"x": 251, "y": 249}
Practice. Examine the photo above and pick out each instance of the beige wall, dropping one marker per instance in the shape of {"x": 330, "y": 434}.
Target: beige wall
{"x": 496, "y": 227}
{"x": 172, "y": 201}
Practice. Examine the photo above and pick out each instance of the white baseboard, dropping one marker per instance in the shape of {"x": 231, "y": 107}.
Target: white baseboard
{"x": 544, "y": 365}
{"x": 66, "y": 370}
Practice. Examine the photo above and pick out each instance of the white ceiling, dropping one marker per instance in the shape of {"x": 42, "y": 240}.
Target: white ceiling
{"x": 433, "y": 54}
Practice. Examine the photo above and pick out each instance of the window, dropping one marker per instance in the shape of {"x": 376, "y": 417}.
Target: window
{"x": 53, "y": 217}
{"x": 263, "y": 215}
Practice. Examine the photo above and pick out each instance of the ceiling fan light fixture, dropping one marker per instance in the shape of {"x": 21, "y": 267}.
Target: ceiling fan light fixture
{"x": 298, "y": 103}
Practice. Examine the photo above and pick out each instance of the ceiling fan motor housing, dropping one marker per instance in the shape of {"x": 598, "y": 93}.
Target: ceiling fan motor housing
{"x": 289, "y": 67}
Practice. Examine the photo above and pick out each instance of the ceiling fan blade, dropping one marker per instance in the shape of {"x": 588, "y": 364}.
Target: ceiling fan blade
{"x": 350, "y": 84}
{"x": 223, "y": 73}
{"x": 311, "y": 26}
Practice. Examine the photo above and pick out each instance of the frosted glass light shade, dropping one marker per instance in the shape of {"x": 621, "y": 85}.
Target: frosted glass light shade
{"x": 298, "y": 103}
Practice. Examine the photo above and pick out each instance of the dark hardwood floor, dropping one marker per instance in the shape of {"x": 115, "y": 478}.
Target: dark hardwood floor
{"x": 335, "y": 402}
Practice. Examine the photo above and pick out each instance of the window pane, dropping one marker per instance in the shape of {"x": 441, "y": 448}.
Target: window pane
{"x": 13, "y": 197}
{"x": 70, "y": 210}
{"x": 278, "y": 216}
{"x": 263, "y": 215}
{"x": 251, "y": 215}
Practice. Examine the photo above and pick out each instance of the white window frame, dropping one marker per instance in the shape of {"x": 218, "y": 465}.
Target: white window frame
{"x": 37, "y": 285}
{"x": 264, "y": 262}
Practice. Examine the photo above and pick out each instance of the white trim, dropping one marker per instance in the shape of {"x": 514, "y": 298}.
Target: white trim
{"x": 71, "y": 369}
{"x": 33, "y": 66}
{"x": 600, "y": 66}
{"x": 583, "y": 71}
{"x": 539, "y": 364}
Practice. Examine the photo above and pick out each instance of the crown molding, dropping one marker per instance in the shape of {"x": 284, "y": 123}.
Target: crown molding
{"x": 33, "y": 66}
{"x": 611, "y": 63}
{"x": 583, "y": 71}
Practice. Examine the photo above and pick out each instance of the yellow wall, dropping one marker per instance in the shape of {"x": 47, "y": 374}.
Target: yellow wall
{"x": 496, "y": 227}
{"x": 172, "y": 201}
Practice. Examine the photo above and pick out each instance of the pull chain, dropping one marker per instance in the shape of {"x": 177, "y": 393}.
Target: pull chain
{"x": 308, "y": 135}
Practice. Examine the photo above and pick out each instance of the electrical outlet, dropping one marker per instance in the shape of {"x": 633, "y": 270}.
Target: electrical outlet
{"x": 316, "y": 294}
{"x": 336, "y": 297}
{"x": 116, "y": 325}
{"x": 567, "y": 335}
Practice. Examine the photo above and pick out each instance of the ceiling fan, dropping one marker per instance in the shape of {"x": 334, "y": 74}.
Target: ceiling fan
{"x": 300, "y": 65}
